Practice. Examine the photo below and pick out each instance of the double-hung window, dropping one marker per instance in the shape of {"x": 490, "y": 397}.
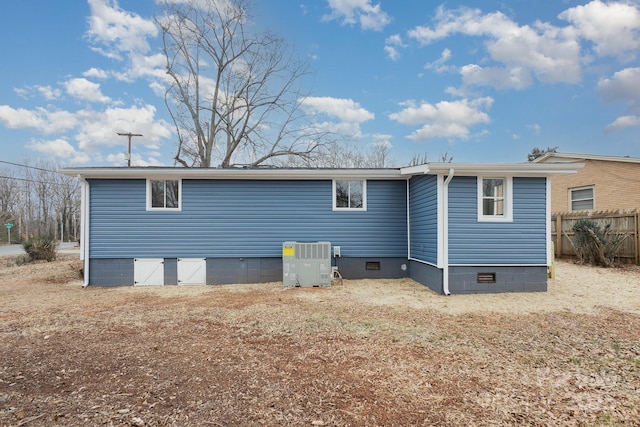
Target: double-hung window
{"x": 495, "y": 199}
{"x": 164, "y": 194}
{"x": 349, "y": 195}
{"x": 581, "y": 198}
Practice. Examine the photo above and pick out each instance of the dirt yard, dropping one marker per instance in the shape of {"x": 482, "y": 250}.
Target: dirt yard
{"x": 384, "y": 353}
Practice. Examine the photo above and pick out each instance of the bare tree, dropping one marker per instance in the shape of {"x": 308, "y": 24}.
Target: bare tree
{"x": 342, "y": 155}
{"x": 422, "y": 159}
{"x": 234, "y": 95}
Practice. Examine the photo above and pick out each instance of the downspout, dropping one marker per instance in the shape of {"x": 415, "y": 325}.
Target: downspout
{"x": 84, "y": 229}
{"x": 445, "y": 233}
{"x": 408, "y": 224}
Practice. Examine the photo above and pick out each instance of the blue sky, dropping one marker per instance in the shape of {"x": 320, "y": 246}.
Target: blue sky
{"x": 482, "y": 83}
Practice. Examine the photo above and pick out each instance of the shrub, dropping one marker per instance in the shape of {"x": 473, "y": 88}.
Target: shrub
{"x": 41, "y": 248}
{"x": 596, "y": 245}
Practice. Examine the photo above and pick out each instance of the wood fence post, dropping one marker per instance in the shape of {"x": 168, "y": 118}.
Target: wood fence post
{"x": 558, "y": 235}
{"x": 636, "y": 233}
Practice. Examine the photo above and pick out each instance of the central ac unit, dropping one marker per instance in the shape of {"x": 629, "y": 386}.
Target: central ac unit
{"x": 306, "y": 264}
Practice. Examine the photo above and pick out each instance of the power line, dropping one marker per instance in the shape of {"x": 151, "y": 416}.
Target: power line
{"x": 29, "y": 167}
{"x": 25, "y": 179}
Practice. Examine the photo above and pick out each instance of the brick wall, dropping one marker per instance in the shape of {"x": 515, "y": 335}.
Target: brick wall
{"x": 616, "y": 185}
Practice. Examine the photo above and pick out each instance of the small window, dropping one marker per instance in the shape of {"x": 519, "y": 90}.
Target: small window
{"x": 164, "y": 194}
{"x": 581, "y": 198}
{"x": 495, "y": 199}
{"x": 350, "y": 195}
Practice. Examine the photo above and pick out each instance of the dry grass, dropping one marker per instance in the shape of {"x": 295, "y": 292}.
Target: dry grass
{"x": 365, "y": 353}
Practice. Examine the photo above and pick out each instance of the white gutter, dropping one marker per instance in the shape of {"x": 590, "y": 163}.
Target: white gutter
{"x": 84, "y": 228}
{"x": 445, "y": 234}
{"x": 232, "y": 173}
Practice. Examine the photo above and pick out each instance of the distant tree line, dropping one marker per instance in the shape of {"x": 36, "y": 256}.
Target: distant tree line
{"x": 39, "y": 202}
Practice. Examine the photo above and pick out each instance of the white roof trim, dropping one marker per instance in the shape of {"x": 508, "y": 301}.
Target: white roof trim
{"x": 231, "y": 173}
{"x": 508, "y": 169}
{"x": 461, "y": 169}
{"x": 569, "y": 157}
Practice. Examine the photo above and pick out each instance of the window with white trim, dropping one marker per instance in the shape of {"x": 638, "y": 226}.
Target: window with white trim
{"x": 582, "y": 198}
{"x": 164, "y": 194}
{"x": 495, "y": 199}
{"x": 349, "y": 195}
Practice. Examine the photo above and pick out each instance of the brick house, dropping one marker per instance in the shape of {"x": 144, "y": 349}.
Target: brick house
{"x": 605, "y": 183}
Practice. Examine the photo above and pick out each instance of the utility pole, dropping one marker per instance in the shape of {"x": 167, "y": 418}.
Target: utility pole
{"x": 129, "y": 134}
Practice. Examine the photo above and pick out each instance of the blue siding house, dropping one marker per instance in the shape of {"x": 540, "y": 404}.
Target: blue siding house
{"x": 455, "y": 227}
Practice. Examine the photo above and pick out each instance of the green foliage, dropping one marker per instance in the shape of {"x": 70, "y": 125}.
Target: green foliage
{"x": 596, "y": 245}
{"x": 41, "y": 248}
{"x": 539, "y": 152}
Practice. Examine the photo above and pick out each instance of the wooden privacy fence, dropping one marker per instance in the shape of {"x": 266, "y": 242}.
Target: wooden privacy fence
{"x": 622, "y": 223}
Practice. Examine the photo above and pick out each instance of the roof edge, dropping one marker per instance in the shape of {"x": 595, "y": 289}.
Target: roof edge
{"x": 568, "y": 157}
{"x": 511, "y": 169}
{"x": 230, "y": 173}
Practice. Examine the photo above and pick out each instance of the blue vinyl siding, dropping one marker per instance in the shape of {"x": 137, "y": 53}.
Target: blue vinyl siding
{"x": 423, "y": 217}
{"x": 243, "y": 218}
{"x": 522, "y": 241}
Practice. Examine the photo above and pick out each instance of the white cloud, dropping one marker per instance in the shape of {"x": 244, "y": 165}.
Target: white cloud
{"x": 439, "y": 65}
{"x": 345, "y": 110}
{"x": 48, "y": 92}
{"x": 118, "y": 30}
{"x": 392, "y": 45}
{"x": 363, "y": 12}
{"x": 100, "y": 128}
{"x": 535, "y": 128}
{"x": 85, "y": 90}
{"x": 446, "y": 119}
{"x": 382, "y": 140}
{"x": 623, "y": 87}
{"x": 144, "y": 66}
{"x": 40, "y": 119}
{"x": 92, "y": 130}
{"x": 622, "y": 123}
{"x": 500, "y": 78}
{"x": 348, "y": 112}
{"x": 96, "y": 73}
{"x": 392, "y": 53}
{"x": 549, "y": 53}
{"x": 614, "y": 28}
{"x": 59, "y": 148}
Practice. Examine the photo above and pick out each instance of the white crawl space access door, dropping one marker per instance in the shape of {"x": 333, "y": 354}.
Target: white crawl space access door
{"x": 148, "y": 271}
{"x": 192, "y": 271}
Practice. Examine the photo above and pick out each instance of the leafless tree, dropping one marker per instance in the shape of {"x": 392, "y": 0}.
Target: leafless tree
{"x": 422, "y": 159}
{"x": 39, "y": 201}
{"x": 8, "y": 197}
{"x": 234, "y": 95}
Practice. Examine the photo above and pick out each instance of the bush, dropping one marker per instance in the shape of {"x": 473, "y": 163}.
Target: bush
{"x": 596, "y": 245}
{"x": 41, "y": 248}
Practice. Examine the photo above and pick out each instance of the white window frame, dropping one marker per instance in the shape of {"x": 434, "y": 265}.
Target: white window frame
{"x": 349, "y": 209}
{"x": 164, "y": 209}
{"x": 586, "y": 187}
{"x": 507, "y": 215}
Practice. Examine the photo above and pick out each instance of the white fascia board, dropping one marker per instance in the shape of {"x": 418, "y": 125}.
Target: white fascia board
{"x": 232, "y": 173}
{"x": 486, "y": 169}
{"x": 415, "y": 170}
{"x": 576, "y": 157}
